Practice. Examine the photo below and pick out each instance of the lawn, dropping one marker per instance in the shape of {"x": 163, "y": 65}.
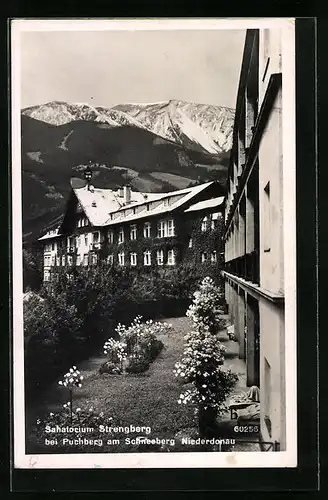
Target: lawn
{"x": 143, "y": 400}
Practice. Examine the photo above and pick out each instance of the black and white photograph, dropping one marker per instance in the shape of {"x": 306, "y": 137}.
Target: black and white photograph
{"x": 154, "y": 243}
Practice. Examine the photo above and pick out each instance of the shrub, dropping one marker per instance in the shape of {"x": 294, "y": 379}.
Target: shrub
{"x": 206, "y": 309}
{"x": 110, "y": 368}
{"x": 201, "y": 364}
{"x": 52, "y": 332}
{"x": 203, "y": 357}
{"x": 138, "y": 344}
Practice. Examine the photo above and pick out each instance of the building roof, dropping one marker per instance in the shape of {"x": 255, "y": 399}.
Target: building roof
{"x": 98, "y": 204}
{"x": 106, "y": 207}
{"x": 50, "y": 234}
{"x": 101, "y": 205}
{"x": 203, "y": 205}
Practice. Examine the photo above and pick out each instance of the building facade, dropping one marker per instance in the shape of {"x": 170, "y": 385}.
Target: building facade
{"x": 128, "y": 228}
{"x": 253, "y": 232}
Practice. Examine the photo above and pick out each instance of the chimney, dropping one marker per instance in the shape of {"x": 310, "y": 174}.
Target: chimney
{"x": 120, "y": 192}
{"x": 127, "y": 194}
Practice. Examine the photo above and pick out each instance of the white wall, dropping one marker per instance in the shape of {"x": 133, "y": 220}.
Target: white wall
{"x": 271, "y": 213}
{"x": 269, "y": 57}
{"x": 272, "y": 350}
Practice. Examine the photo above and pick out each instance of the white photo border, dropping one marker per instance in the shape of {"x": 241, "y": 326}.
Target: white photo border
{"x": 286, "y": 458}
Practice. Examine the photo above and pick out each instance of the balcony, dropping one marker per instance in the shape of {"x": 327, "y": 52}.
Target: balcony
{"x": 245, "y": 267}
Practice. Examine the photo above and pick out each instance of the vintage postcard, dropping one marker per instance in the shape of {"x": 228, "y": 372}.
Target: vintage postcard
{"x": 154, "y": 243}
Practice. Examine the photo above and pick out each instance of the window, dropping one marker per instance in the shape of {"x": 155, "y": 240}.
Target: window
{"x": 121, "y": 236}
{"x": 57, "y": 261}
{"x": 77, "y": 241}
{"x": 267, "y": 219}
{"x": 69, "y": 260}
{"x": 212, "y": 224}
{"x": 204, "y": 224}
{"x": 133, "y": 259}
{"x": 190, "y": 243}
{"x": 213, "y": 256}
{"x": 95, "y": 237}
{"x": 63, "y": 260}
{"x": 46, "y": 276}
{"x": 204, "y": 257}
{"x": 86, "y": 240}
{"x": 170, "y": 227}
{"x": 165, "y": 228}
{"x": 85, "y": 259}
{"x": 160, "y": 257}
{"x": 94, "y": 258}
{"x": 160, "y": 229}
{"x": 146, "y": 231}
{"x": 110, "y": 237}
{"x": 78, "y": 259}
{"x": 110, "y": 259}
{"x": 170, "y": 258}
{"x": 147, "y": 258}
{"x": 133, "y": 232}
{"x": 79, "y": 223}
{"x": 121, "y": 259}
{"x": 53, "y": 260}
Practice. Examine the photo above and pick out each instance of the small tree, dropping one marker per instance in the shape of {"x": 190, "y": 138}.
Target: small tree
{"x": 201, "y": 364}
{"x": 203, "y": 357}
{"x": 72, "y": 379}
{"x": 206, "y": 309}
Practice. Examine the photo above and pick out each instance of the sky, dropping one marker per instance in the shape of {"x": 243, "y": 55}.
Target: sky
{"x": 105, "y": 68}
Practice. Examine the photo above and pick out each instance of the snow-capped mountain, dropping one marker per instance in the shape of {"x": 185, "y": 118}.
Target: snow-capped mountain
{"x": 60, "y": 112}
{"x": 204, "y": 128}
{"x": 214, "y": 122}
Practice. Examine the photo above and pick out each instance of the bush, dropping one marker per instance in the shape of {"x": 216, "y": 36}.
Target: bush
{"x": 110, "y": 368}
{"x": 138, "y": 344}
{"x": 206, "y": 309}
{"x": 203, "y": 357}
{"x": 52, "y": 332}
